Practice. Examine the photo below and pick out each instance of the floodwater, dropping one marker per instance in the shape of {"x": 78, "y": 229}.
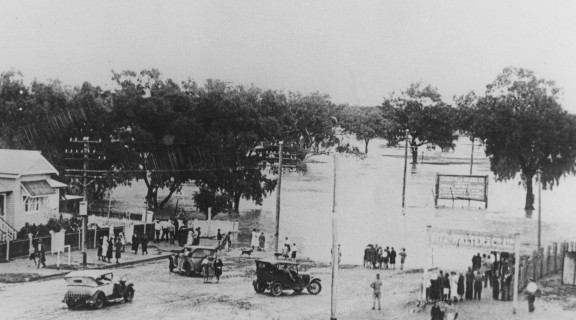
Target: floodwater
{"x": 368, "y": 206}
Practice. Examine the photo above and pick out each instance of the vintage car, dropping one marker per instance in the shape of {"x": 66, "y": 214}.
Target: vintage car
{"x": 95, "y": 288}
{"x": 193, "y": 257}
{"x": 279, "y": 275}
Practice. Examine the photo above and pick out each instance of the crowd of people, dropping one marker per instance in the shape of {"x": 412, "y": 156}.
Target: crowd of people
{"x": 109, "y": 247}
{"x": 445, "y": 289}
{"x": 378, "y": 257}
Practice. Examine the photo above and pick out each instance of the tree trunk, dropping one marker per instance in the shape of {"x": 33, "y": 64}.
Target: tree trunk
{"x": 529, "y": 194}
{"x": 173, "y": 188}
{"x": 366, "y": 145}
{"x": 414, "y": 150}
{"x": 237, "y": 196}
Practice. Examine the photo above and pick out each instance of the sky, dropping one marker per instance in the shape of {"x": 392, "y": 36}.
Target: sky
{"x": 355, "y": 51}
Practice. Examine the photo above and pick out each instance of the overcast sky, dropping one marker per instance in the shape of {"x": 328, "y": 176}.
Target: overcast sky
{"x": 355, "y": 51}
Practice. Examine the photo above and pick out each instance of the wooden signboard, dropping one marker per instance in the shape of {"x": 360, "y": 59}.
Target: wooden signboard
{"x": 460, "y": 187}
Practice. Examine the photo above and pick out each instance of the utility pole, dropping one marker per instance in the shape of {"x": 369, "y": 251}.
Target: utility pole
{"x": 472, "y": 157}
{"x": 87, "y": 154}
{"x": 404, "y": 182}
{"x": 335, "y": 251}
{"x": 539, "y": 209}
{"x": 405, "y": 167}
{"x": 278, "y": 191}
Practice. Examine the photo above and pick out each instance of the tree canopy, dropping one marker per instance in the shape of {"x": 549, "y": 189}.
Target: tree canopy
{"x": 421, "y": 111}
{"x": 525, "y": 130}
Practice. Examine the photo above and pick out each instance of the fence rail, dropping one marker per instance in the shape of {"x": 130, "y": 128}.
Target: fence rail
{"x": 20, "y": 248}
{"x": 116, "y": 214}
{"x": 541, "y": 263}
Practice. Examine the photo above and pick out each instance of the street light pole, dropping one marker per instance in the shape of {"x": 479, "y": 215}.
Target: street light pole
{"x": 539, "y": 210}
{"x": 335, "y": 251}
{"x": 404, "y": 181}
{"x": 278, "y": 189}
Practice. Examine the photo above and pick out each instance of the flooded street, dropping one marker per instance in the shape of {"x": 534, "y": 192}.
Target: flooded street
{"x": 369, "y": 197}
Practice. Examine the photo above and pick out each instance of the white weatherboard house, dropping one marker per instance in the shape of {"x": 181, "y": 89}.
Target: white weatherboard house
{"x": 28, "y": 194}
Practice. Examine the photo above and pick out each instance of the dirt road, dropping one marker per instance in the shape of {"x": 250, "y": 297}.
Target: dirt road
{"x": 164, "y": 295}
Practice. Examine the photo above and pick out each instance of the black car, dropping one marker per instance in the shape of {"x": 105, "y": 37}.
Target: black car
{"x": 277, "y": 276}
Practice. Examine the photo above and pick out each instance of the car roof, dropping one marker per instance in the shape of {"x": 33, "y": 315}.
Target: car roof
{"x": 275, "y": 262}
{"x": 87, "y": 274}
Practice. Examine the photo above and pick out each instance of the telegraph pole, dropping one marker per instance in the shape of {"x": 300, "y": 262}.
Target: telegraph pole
{"x": 404, "y": 182}
{"x": 335, "y": 251}
{"x": 87, "y": 155}
{"x": 539, "y": 210}
{"x": 278, "y": 191}
{"x": 472, "y": 157}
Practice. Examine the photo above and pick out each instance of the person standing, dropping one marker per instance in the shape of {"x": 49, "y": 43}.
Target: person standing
{"x": 460, "y": 287}
{"x": 229, "y": 241}
{"x": 376, "y": 285}
{"x": 262, "y": 242}
{"x": 135, "y": 242}
{"x": 378, "y": 257}
{"x": 254, "y": 241}
{"x": 495, "y": 284}
{"x": 32, "y": 255}
{"x": 436, "y": 312}
{"x": 446, "y": 287}
{"x": 450, "y": 313}
{"x": 219, "y": 238}
{"x": 41, "y": 254}
{"x": 393, "y": 259}
{"x": 110, "y": 249}
{"x": 402, "y": 258}
{"x": 171, "y": 231}
{"x": 144, "y": 241}
{"x": 122, "y": 241}
{"x": 176, "y": 229}
{"x": 294, "y": 250}
{"x": 469, "y": 284}
{"x": 118, "y": 250}
{"x": 478, "y": 285}
{"x": 157, "y": 230}
{"x": 487, "y": 272}
{"x": 104, "y": 247}
{"x": 531, "y": 292}
{"x": 385, "y": 257}
{"x": 197, "y": 234}
{"x": 99, "y": 250}
{"x": 453, "y": 287}
{"x": 218, "y": 268}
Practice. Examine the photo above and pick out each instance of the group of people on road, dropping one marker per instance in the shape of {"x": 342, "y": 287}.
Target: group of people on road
{"x": 378, "y": 257}
{"x": 258, "y": 241}
{"x": 109, "y": 247}
{"x": 445, "y": 289}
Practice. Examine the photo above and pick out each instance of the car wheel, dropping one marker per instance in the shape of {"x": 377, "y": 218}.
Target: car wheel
{"x": 170, "y": 265}
{"x": 129, "y": 295}
{"x": 259, "y": 288}
{"x": 314, "y": 287}
{"x": 100, "y": 300}
{"x": 276, "y": 289}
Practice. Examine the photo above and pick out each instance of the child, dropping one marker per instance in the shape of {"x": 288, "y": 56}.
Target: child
{"x": 376, "y": 286}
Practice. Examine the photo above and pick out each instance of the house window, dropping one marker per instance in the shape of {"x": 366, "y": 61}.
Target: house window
{"x": 2, "y": 204}
{"x": 33, "y": 204}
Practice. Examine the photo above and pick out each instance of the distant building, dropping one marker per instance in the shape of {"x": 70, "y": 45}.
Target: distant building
{"x": 28, "y": 194}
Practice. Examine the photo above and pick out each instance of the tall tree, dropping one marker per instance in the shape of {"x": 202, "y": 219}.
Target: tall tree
{"x": 525, "y": 129}
{"x": 366, "y": 123}
{"x": 419, "y": 109}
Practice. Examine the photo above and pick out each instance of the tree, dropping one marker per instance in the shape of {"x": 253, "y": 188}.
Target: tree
{"x": 366, "y": 123}
{"x": 419, "y": 109}
{"x": 525, "y": 130}
{"x": 235, "y": 122}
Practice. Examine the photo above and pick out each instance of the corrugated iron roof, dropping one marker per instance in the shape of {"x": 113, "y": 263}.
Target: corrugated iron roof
{"x": 17, "y": 162}
{"x": 38, "y": 188}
